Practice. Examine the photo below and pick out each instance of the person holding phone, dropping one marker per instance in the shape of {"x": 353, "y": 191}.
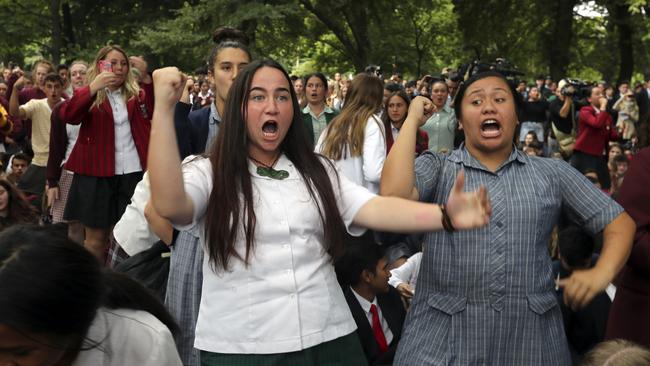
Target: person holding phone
{"x": 110, "y": 155}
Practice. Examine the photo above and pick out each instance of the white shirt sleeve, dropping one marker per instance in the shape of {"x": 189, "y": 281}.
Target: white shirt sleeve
{"x": 132, "y": 232}
{"x": 374, "y": 150}
{"x": 197, "y": 177}
{"x": 350, "y": 197}
{"x": 405, "y": 272}
{"x": 128, "y": 337}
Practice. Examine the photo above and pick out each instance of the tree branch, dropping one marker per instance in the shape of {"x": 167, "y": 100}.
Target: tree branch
{"x": 338, "y": 31}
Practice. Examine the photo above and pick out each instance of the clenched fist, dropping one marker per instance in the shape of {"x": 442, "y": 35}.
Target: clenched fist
{"x": 168, "y": 85}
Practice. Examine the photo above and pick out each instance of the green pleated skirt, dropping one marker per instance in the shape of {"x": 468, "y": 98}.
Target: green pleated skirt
{"x": 343, "y": 351}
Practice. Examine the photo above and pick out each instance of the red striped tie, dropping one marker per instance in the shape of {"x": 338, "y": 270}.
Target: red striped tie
{"x": 376, "y": 328}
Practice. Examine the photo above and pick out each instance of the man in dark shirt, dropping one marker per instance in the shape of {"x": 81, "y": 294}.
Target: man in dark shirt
{"x": 534, "y": 115}
{"x": 563, "y": 118}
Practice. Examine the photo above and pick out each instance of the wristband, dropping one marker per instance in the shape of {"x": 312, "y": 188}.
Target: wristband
{"x": 446, "y": 221}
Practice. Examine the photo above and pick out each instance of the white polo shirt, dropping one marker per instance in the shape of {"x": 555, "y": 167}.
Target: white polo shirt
{"x": 288, "y": 298}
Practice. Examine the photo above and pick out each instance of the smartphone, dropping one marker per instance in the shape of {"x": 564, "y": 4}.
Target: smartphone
{"x": 105, "y": 66}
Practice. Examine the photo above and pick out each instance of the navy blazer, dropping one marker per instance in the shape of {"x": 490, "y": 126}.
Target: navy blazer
{"x": 191, "y": 129}
{"x": 393, "y": 311}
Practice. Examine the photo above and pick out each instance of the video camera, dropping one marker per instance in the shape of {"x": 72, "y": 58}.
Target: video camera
{"x": 500, "y": 65}
{"x": 575, "y": 88}
{"x": 374, "y": 70}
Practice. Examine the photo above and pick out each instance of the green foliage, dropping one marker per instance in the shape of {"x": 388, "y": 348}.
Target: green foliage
{"x": 589, "y": 61}
{"x": 414, "y": 37}
{"x": 181, "y": 41}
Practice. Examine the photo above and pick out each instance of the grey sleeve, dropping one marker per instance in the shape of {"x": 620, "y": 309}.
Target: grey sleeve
{"x": 586, "y": 205}
{"x": 428, "y": 167}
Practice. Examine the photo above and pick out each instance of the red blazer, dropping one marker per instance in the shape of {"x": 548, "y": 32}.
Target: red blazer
{"x": 594, "y": 131}
{"x": 94, "y": 152}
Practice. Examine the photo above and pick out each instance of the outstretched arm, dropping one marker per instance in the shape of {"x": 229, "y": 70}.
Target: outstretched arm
{"x": 168, "y": 194}
{"x": 466, "y": 210}
{"x": 398, "y": 175}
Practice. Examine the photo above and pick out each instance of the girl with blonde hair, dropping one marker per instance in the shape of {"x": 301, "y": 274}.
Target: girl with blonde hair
{"x": 110, "y": 154}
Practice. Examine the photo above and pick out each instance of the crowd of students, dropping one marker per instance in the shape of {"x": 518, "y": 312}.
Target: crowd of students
{"x": 280, "y": 219}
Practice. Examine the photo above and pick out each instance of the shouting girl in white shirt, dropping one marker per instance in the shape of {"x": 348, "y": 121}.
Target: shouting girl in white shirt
{"x": 271, "y": 218}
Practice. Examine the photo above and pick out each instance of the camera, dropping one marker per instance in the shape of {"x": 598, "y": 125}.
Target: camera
{"x": 574, "y": 88}
{"x": 373, "y": 70}
{"x": 500, "y": 65}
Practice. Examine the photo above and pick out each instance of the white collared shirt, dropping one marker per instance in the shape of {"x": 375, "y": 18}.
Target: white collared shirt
{"x": 128, "y": 337}
{"x": 132, "y": 232}
{"x": 319, "y": 122}
{"x": 127, "y": 159}
{"x": 364, "y": 170}
{"x": 287, "y": 299}
{"x": 72, "y": 132}
{"x": 365, "y": 305}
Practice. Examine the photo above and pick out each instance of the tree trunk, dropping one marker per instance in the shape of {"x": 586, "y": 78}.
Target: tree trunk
{"x": 55, "y": 23}
{"x": 68, "y": 33}
{"x": 559, "y": 40}
{"x": 357, "y": 47}
{"x": 622, "y": 19}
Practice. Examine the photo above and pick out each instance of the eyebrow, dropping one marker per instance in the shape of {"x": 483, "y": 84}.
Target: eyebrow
{"x": 259, "y": 88}
{"x": 483, "y": 90}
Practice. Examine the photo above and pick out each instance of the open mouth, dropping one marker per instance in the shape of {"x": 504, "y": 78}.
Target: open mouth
{"x": 491, "y": 128}
{"x": 270, "y": 128}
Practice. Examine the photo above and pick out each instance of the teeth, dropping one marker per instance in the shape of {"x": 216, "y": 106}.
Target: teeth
{"x": 490, "y": 121}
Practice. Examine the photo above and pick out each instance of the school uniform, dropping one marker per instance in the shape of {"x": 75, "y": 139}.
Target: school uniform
{"x": 109, "y": 156}
{"x": 120, "y": 337}
{"x": 314, "y": 124}
{"x": 390, "y": 315}
{"x": 286, "y": 305}
{"x": 195, "y": 130}
{"x": 365, "y": 169}
{"x": 63, "y": 136}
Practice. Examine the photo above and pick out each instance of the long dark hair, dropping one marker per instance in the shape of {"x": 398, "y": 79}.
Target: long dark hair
{"x": 20, "y": 211}
{"x": 50, "y": 285}
{"x": 402, "y": 94}
{"x": 232, "y": 181}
